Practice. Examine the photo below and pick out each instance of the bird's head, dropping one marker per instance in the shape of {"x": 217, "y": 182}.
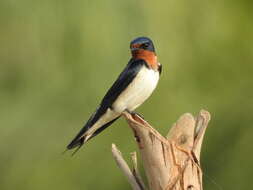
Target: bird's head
{"x": 142, "y": 44}
{"x": 143, "y": 48}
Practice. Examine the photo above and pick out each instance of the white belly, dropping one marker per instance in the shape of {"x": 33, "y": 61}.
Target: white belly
{"x": 138, "y": 91}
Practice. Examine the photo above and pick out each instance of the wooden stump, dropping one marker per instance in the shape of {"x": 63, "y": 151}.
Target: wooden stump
{"x": 172, "y": 162}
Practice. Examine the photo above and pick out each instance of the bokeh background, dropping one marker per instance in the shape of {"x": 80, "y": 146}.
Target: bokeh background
{"x": 58, "y": 58}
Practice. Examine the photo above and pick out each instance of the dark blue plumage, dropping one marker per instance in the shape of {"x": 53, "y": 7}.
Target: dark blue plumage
{"x": 133, "y": 86}
{"x": 124, "y": 79}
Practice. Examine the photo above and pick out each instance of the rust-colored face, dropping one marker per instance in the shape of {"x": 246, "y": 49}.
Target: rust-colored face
{"x": 142, "y": 43}
{"x": 135, "y": 47}
{"x": 143, "y": 48}
{"x": 146, "y": 55}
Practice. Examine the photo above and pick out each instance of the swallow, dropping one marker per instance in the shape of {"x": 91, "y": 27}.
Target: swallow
{"x": 133, "y": 86}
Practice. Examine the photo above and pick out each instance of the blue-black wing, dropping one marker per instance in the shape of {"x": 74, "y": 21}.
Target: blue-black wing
{"x": 124, "y": 79}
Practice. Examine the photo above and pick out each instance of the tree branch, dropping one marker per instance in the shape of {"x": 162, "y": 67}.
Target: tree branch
{"x": 171, "y": 163}
{"x": 135, "y": 181}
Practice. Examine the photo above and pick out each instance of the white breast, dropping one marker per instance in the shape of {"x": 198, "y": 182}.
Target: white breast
{"x": 138, "y": 91}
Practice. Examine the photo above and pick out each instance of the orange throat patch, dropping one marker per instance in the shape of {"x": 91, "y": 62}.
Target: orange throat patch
{"x": 148, "y": 56}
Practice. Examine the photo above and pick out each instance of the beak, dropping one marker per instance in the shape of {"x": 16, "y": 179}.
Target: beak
{"x": 134, "y": 48}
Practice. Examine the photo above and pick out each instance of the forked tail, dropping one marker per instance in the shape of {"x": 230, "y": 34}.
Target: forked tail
{"x": 82, "y": 137}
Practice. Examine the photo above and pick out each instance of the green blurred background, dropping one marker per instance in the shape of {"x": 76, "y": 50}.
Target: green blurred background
{"x": 58, "y": 58}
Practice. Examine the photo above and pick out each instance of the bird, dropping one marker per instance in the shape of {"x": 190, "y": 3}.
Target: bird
{"x": 133, "y": 86}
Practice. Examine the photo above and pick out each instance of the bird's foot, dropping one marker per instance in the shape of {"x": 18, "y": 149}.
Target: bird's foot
{"x": 134, "y": 113}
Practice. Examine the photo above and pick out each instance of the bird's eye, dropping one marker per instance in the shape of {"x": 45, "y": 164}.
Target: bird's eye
{"x": 145, "y": 45}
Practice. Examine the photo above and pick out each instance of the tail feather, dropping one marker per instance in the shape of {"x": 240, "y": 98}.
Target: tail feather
{"x": 76, "y": 149}
{"x": 102, "y": 128}
{"x": 82, "y": 138}
{"x": 76, "y": 142}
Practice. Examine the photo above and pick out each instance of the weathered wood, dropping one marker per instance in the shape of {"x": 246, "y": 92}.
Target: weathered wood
{"x": 172, "y": 162}
{"x": 125, "y": 169}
